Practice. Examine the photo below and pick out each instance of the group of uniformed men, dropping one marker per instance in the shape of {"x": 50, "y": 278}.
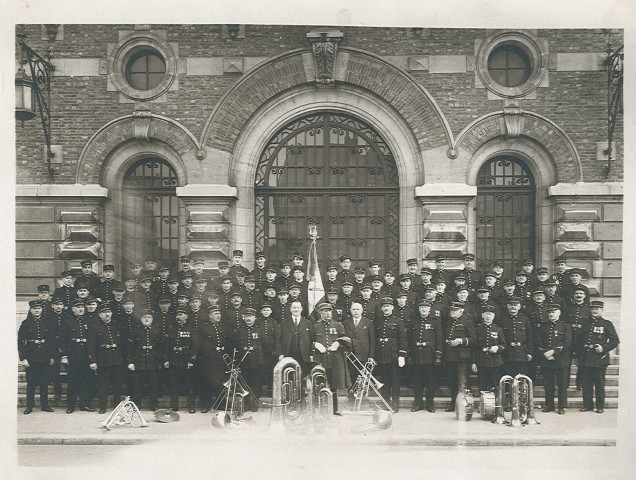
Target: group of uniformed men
{"x": 178, "y": 331}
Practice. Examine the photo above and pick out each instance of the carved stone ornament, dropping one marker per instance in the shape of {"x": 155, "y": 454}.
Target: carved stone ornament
{"x": 141, "y": 124}
{"x": 325, "y": 48}
{"x": 514, "y": 121}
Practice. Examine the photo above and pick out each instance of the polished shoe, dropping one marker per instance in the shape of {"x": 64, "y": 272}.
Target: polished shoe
{"x": 205, "y": 410}
{"x": 47, "y": 409}
{"x": 585, "y": 409}
{"x": 431, "y": 409}
{"x": 87, "y": 409}
{"x": 547, "y": 409}
{"x": 70, "y": 410}
{"x": 28, "y": 410}
{"x": 599, "y": 410}
{"x": 561, "y": 411}
{"x": 337, "y": 413}
{"x": 192, "y": 410}
{"x": 417, "y": 408}
{"x": 450, "y": 408}
{"x": 102, "y": 410}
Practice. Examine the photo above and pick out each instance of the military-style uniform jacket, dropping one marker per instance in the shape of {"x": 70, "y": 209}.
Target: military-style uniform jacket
{"x": 225, "y": 299}
{"x": 57, "y": 322}
{"x": 283, "y": 282}
{"x": 474, "y": 278}
{"x": 524, "y": 292}
{"x": 441, "y": 274}
{"x": 390, "y": 336}
{"x": 127, "y": 322}
{"x": 234, "y": 269}
{"x": 36, "y": 340}
{"x": 344, "y": 303}
{"x": 329, "y": 284}
{"x": 250, "y": 339}
{"x": 282, "y": 311}
{"x": 270, "y": 327}
{"x": 479, "y": 309}
{"x": 519, "y": 337}
{"x": 567, "y": 291}
{"x": 117, "y": 308}
{"x": 212, "y": 341}
{"x": 537, "y": 313}
{"x": 106, "y": 344}
{"x": 180, "y": 344}
{"x": 92, "y": 282}
{"x": 407, "y": 315}
{"x": 259, "y": 276}
{"x": 460, "y": 327}
{"x": 327, "y": 333}
{"x": 196, "y": 318}
{"x": 74, "y": 339}
{"x": 577, "y": 315}
{"x": 556, "y": 299}
{"x": 390, "y": 290}
{"x": 252, "y": 299}
{"x": 597, "y": 332}
{"x": 344, "y": 275}
{"x": 66, "y": 294}
{"x": 232, "y": 318}
{"x": 105, "y": 290}
{"x": 555, "y": 336}
{"x": 412, "y": 298}
{"x": 427, "y": 340}
{"x": 165, "y": 321}
{"x": 438, "y": 308}
{"x": 147, "y": 348}
{"x": 488, "y": 336}
{"x": 160, "y": 288}
{"x": 562, "y": 280}
{"x": 370, "y": 308}
{"x": 147, "y": 298}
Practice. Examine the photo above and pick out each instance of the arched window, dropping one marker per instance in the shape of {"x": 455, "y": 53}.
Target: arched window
{"x": 334, "y": 171}
{"x": 505, "y": 214}
{"x": 150, "y": 226}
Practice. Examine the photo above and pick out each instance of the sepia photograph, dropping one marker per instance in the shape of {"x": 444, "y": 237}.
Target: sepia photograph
{"x": 315, "y": 247}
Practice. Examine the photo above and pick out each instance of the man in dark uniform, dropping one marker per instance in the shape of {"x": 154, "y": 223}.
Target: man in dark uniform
{"x": 568, "y": 291}
{"x": 67, "y": 291}
{"x": 390, "y": 287}
{"x": 105, "y": 287}
{"x": 459, "y": 338}
{"x": 473, "y": 277}
{"x": 553, "y": 343}
{"x": 74, "y": 347}
{"x": 197, "y": 315}
{"x": 361, "y": 331}
{"x": 490, "y": 283}
{"x": 282, "y": 306}
{"x": 212, "y": 342}
{"x": 403, "y": 311}
{"x": 249, "y": 338}
{"x": 117, "y": 303}
{"x": 358, "y": 280}
{"x": 161, "y": 287}
{"x": 391, "y": 346}
{"x": 425, "y": 353}
{"x": 231, "y": 317}
{"x": 440, "y": 272}
{"x": 346, "y": 298}
{"x": 377, "y": 288}
{"x": 519, "y": 339}
{"x": 412, "y": 271}
{"x": 225, "y": 293}
{"x": 164, "y": 318}
{"x": 332, "y": 278}
{"x": 541, "y": 277}
{"x": 330, "y": 353}
{"x": 284, "y": 280}
{"x": 181, "y": 356}
{"x": 483, "y": 300}
{"x": 551, "y": 295}
{"x": 146, "y": 297}
{"x": 374, "y": 268}
{"x": 560, "y": 276}
{"x": 106, "y": 354}
{"x": 442, "y": 296}
{"x": 498, "y": 270}
{"x": 345, "y": 272}
{"x": 298, "y": 260}
{"x": 488, "y": 348}
{"x": 523, "y": 289}
{"x": 509, "y": 290}
{"x": 269, "y": 324}
{"x": 260, "y": 270}
{"x": 44, "y": 296}
{"x": 237, "y": 259}
{"x": 36, "y": 347}
{"x": 150, "y": 269}
{"x": 224, "y": 272}
{"x": 270, "y": 280}
{"x": 296, "y": 338}
{"x": 370, "y": 307}
{"x": 199, "y": 272}
{"x": 186, "y": 266}
{"x": 411, "y": 297}
{"x": 598, "y": 339}
{"x": 187, "y": 284}
{"x": 577, "y": 315}
{"x": 88, "y": 278}
{"x": 57, "y": 318}
{"x": 251, "y": 297}
{"x": 528, "y": 267}
{"x": 136, "y": 269}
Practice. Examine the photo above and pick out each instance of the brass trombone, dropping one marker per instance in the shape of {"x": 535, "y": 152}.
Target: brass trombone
{"x": 234, "y": 393}
{"x": 125, "y": 412}
{"x": 365, "y": 380}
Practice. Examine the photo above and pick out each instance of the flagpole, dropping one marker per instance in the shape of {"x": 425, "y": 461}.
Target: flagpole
{"x": 316, "y": 289}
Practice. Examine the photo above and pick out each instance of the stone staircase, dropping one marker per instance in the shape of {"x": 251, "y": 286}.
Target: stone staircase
{"x": 442, "y": 395}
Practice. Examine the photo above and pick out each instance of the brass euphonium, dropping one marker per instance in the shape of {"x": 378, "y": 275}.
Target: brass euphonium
{"x": 319, "y": 397}
{"x": 504, "y": 399}
{"x": 286, "y": 391}
{"x": 125, "y": 412}
{"x": 526, "y": 400}
{"x": 515, "y": 395}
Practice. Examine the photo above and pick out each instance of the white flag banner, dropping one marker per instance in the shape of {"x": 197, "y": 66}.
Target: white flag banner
{"x": 316, "y": 290}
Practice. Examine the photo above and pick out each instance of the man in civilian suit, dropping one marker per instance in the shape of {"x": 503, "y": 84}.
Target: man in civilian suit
{"x": 296, "y": 338}
{"x": 362, "y": 334}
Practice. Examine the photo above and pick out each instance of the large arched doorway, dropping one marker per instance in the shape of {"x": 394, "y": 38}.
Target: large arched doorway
{"x": 505, "y": 214}
{"x": 335, "y": 171}
{"x": 150, "y": 213}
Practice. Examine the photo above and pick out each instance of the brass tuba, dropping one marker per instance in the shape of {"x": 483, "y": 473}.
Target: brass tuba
{"x": 515, "y": 395}
{"x": 319, "y": 397}
{"x": 504, "y": 399}
{"x": 525, "y": 399}
{"x": 125, "y": 412}
{"x": 286, "y": 391}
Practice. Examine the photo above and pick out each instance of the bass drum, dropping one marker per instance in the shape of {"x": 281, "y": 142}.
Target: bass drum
{"x": 464, "y": 405}
{"x": 487, "y": 402}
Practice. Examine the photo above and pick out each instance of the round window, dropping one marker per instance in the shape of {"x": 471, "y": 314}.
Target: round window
{"x": 145, "y": 69}
{"x": 509, "y": 65}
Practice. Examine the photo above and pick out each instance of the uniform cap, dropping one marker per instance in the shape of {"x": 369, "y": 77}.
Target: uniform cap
{"x": 248, "y": 311}
{"x": 498, "y": 263}
{"x": 405, "y": 276}
{"x": 283, "y": 291}
{"x": 387, "y": 301}
{"x": 490, "y": 274}
{"x": 430, "y": 288}
{"x": 488, "y": 308}
{"x": 182, "y": 310}
{"x": 426, "y": 270}
{"x": 237, "y": 253}
{"x": 482, "y": 290}
{"x": 164, "y": 300}
{"x": 43, "y": 288}
{"x": 331, "y": 266}
{"x": 163, "y": 267}
{"x": 105, "y": 307}
{"x": 373, "y": 263}
{"x": 553, "y": 306}
{"x": 298, "y": 256}
{"x": 90, "y": 299}
{"x": 185, "y": 259}
{"x": 145, "y": 311}
{"x": 468, "y": 256}
{"x": 441, "y": 281}
{"x": 580, "y": 288}
{"x": 173, "y": 280}
{"x": 424, "y": 303}
{"x": 76, "y": 302}
{"x": 109, "y": 268}
{"x": 224, "y": 264}
{"x": 225, "y": 277}
{"x": 325, "y": 306}
{"x": 460, "y": 276}
{"x": 521, "y": 273}
{"x": 285, "y": 264}
{"x": 198, "y": 261}
{"x": 347, "y": 282}
{"x": 508, "y": 282}
{"x": 201, "y": 279}
{"x": 402, "y": 293}
{"x": 359, "y": 270}
{"x": 538, "y": 290}
{"x": 389, "y": 272}
{"x": 35, "y": 303}
{"x": 342, "y": 258}
{"x": 514, "y": 300}
{"x": 236, "y": 293}
{"x": 259, "y": 255}
{"x": 541, "y": 270}
{"x": 147, "y": 278}
{"x": 66, "y": 273}
{"x": 86, "y": 263}
{"x": 298, "y": 268}
{"x": 118, "y": 286}
{"x": 551, "y": 283}
{"x": 270, "y": 269}
{"x": 574, "y": 271}
{"x": 461, "y": 288}
{"x": 266, "y": 305}
{"x": 597, "y": 303}
{"x": 411, "y": 261}
{"x": 457, "y": 305}
{"x": 135, "y": 264}
{"x": 332, "y": 291}
{"x": 440, "y": 258}
{"x": 250, "y": 278}
{"x": 213, "y": 308}
{"x": 527, "y": 261}
{"x": 366, "y": 286}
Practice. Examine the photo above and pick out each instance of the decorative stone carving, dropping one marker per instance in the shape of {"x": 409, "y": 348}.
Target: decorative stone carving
{"x": 574, "y": 231}
{"x": 448, "y": 249}
{"x": 578, "y": 213}
{"x": 445, "y": 231}
{"x": 141, "y": 124}
{"x": 578, "y": 249}
{"x": 325, "y": 49}
{"x": 514, "y": 121}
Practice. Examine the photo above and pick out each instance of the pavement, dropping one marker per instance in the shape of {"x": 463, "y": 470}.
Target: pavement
{"x": 407, "y": 429}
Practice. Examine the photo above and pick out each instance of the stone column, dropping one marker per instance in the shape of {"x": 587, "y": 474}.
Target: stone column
{"x": 448, "y": 219}
{"x": 588, "y": 232}
{"x": 208, "y": 221}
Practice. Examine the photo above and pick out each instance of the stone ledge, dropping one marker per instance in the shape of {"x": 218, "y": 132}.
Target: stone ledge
{"x": 207, "y": 190}
{"x": 445, "y": 190}
{"x": 586, "y": 188}
{"x": 69, "y": 190}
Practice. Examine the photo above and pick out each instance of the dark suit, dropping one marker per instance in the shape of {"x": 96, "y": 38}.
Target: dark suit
{"x": 362, "y": 341}
{"x": 296, "y": 341}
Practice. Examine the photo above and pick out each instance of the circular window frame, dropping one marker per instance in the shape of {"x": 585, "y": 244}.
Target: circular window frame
{"x": 134, "y": 55}
{"x": 123, "y": 52}
{"x": 536, "y": 55}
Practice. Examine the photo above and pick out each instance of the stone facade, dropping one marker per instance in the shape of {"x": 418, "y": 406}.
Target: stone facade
{"x": 226, "y": 95}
